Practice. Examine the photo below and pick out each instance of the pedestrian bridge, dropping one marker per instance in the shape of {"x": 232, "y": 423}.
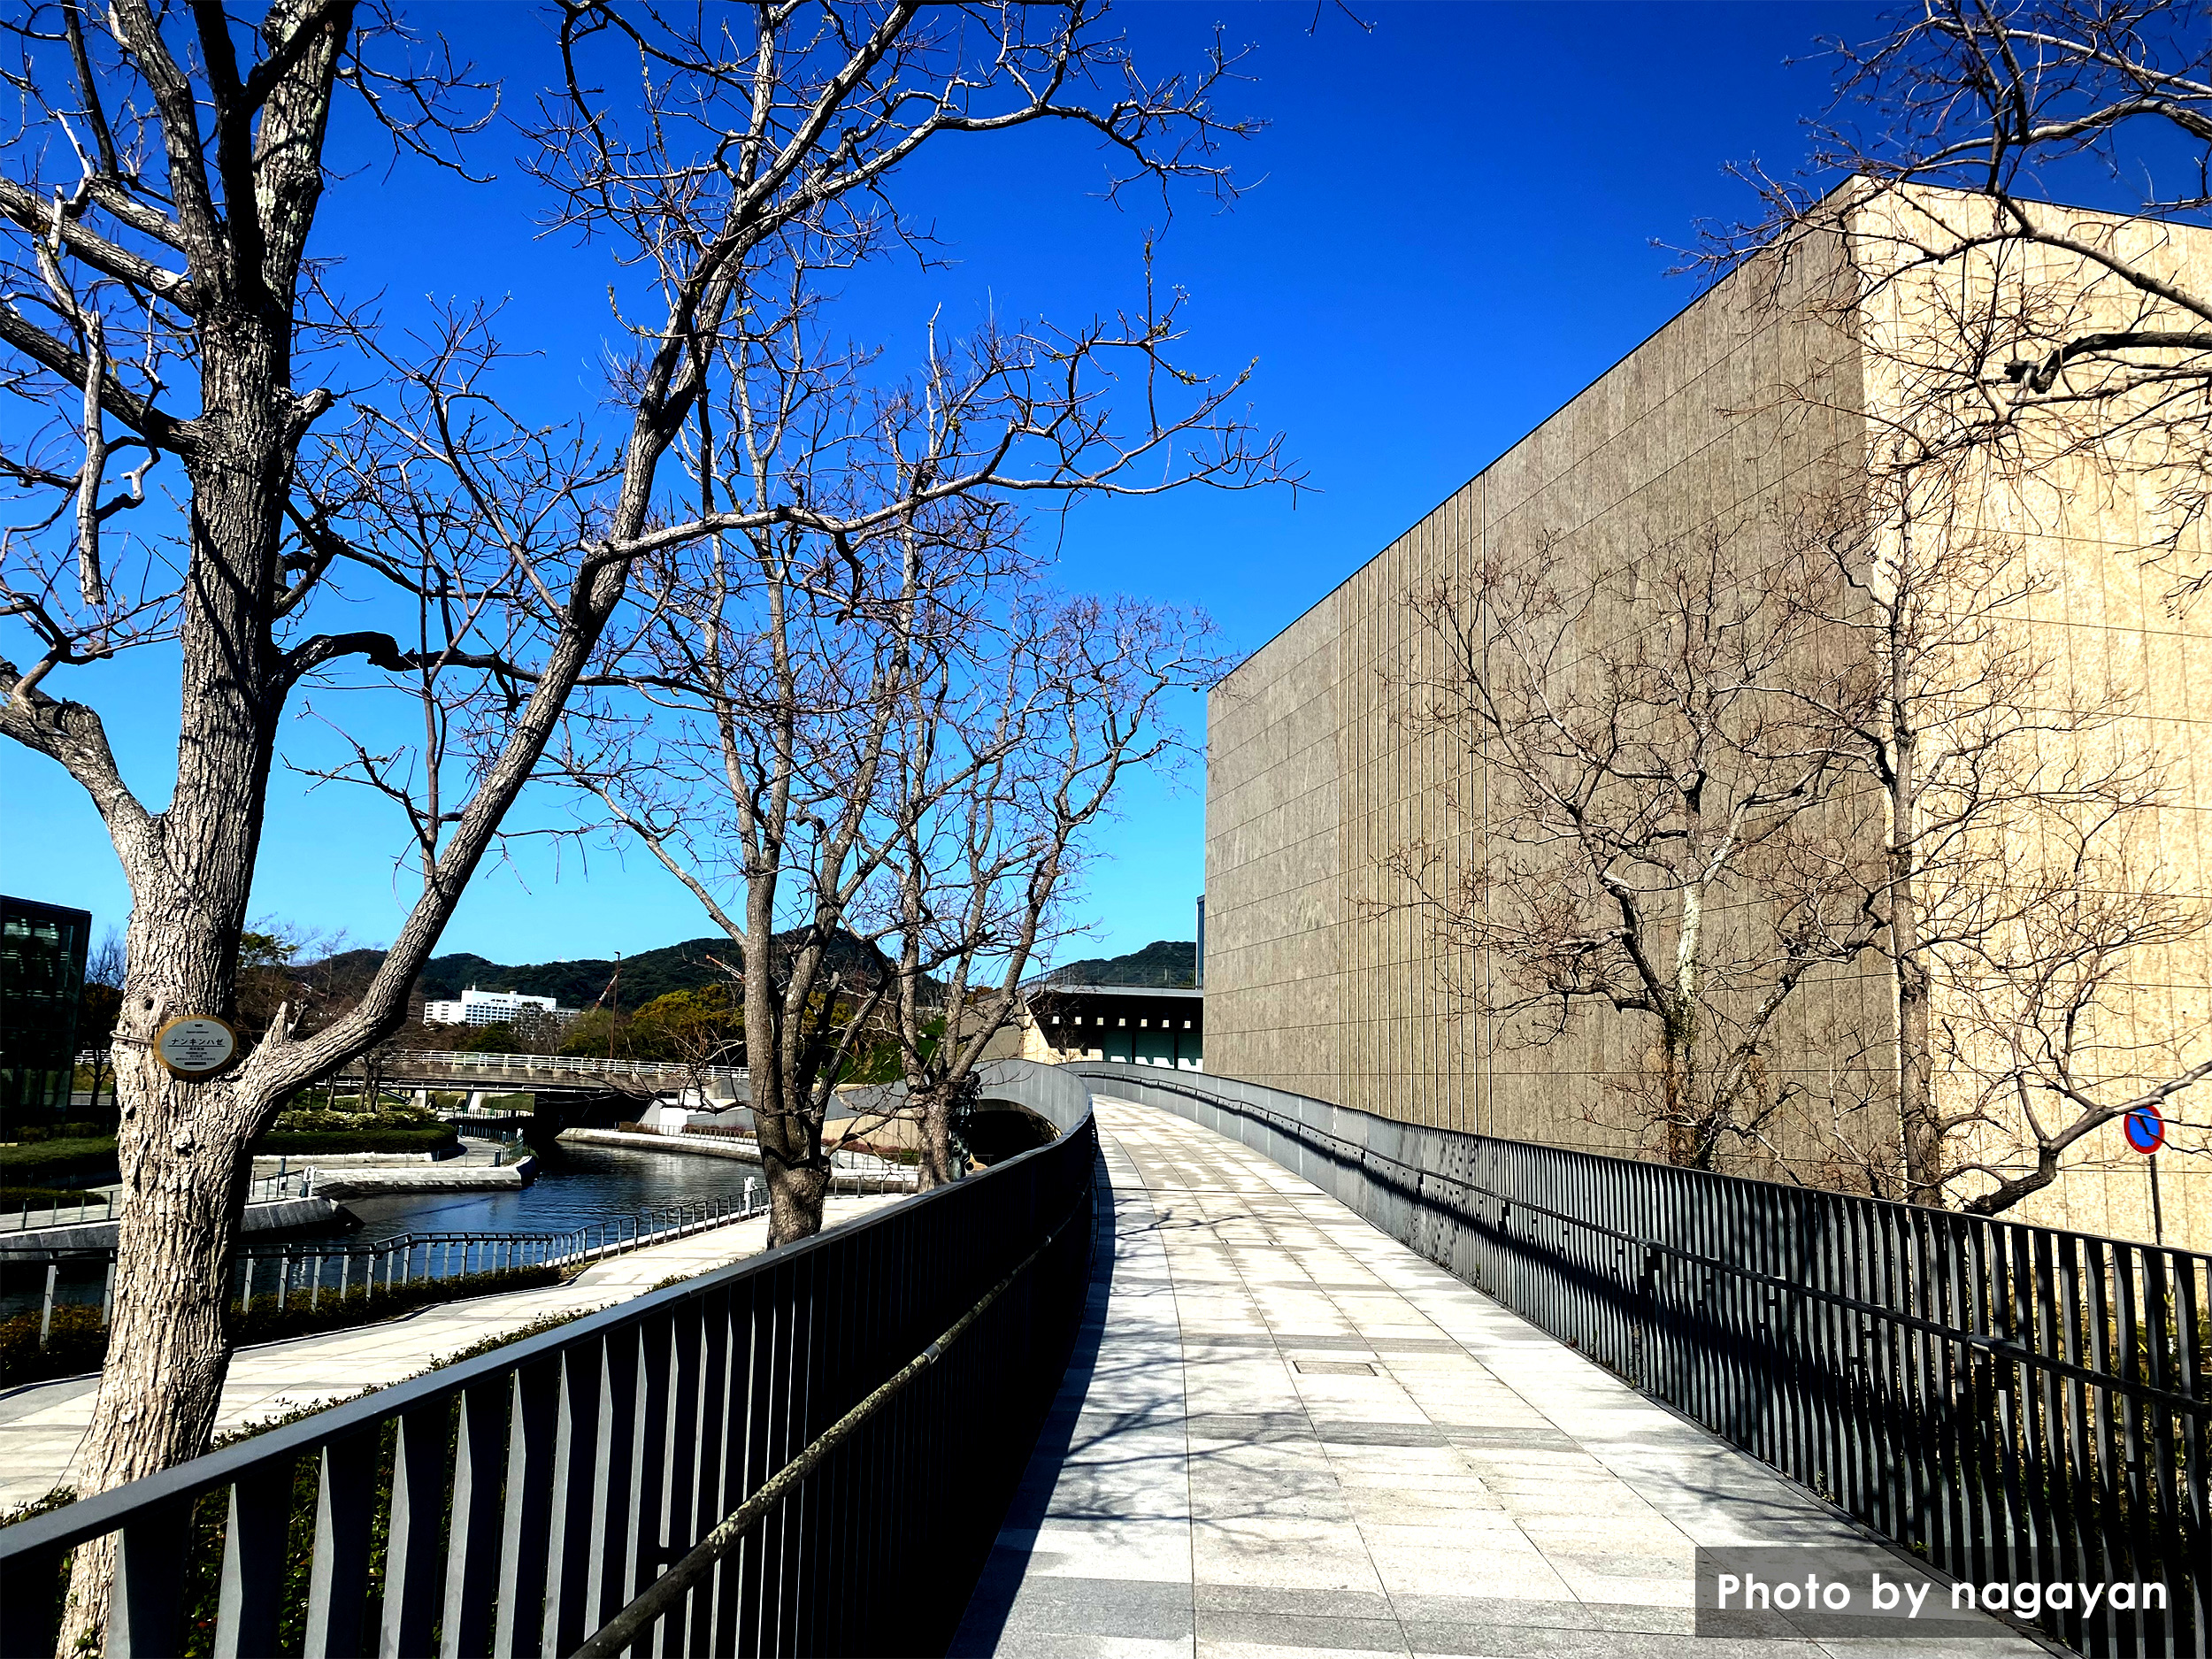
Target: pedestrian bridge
{"x": 1290, "y": 1434}
{"x": 1225, "y": 1373}
{"x": 553, "y": 1074}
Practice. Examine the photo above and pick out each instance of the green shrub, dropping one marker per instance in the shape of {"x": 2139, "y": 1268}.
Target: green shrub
{"x": 285, "y": 1144}
{"x": 16, "y": 1197}
{"x": 321, "y": 1120}
{"x": 78, "y": 1340}
{"x": 46, "y": 1163}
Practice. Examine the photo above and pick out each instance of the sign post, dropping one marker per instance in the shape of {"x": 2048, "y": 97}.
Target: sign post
{"x": 2145, "y": 1130}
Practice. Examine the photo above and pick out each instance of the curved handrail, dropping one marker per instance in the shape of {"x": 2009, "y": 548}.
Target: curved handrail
{"x": 792, "y": 1336}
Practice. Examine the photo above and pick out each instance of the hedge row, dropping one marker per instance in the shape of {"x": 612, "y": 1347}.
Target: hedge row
{"x": 78, "y": 1340}
{"x": 48, "y": 1163}
{"x": 12, "y": 1198}
{"x": 306, "y": 1144}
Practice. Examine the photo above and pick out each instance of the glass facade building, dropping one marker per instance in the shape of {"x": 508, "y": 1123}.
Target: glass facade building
{"x": 41, "y": 976}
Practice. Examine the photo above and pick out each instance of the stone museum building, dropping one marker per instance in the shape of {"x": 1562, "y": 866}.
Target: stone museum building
{"x": 1788, "y": 394}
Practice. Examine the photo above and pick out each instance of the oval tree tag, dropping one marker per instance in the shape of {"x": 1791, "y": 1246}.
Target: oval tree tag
{"x": 198, "y": 1045}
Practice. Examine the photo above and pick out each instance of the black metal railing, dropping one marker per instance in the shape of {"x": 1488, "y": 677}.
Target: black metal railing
{"x": 518, "y": 1502}
{"x": 2014, "y": 1403}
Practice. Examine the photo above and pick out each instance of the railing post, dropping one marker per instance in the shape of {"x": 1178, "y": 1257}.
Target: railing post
{"x": 338, "y": 1578}
{"x": 473, "y": 1537}
{"x": 411, "y": 1560}
{"x": 147, "y": 1604}
{"x": 251, "y": 1592}
{"x": 526, "y": 1523}
{"x": 576, "y": 1449}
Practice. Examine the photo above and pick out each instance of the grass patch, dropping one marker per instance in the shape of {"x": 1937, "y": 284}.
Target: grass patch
{"x": 68, "y": 1129}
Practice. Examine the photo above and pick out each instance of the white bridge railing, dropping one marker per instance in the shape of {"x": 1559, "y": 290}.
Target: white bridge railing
{"x": 457, "y": 1063}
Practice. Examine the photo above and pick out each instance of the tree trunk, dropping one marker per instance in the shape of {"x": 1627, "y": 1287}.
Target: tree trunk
{"x": 168, "y": 1341}
{"x": 1920, "y": 1132}
{"x": 181, "y": 1144}
{"x": 1676, "y": 1100}
{"x": 1689, "y": 1146}
{"x": 935, "y": 1120}
{"x": 798, "y": 1176}
{"x": 785, "y": 1124}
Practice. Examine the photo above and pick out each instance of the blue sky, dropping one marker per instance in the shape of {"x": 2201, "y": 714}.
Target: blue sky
{"x": 1449, "y": 232}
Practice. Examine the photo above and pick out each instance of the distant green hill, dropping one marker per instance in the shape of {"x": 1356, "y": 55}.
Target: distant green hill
{"x": 1168, "y": 963}
{"x": 582, "y": 981}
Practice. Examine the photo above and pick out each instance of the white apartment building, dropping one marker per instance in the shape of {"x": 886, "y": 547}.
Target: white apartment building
{"x": 493, "y": 1008}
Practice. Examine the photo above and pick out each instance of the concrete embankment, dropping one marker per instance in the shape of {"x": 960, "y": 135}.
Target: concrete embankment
{"x": 843, "y": 1181}
{"x": 333, "y": 1182}
{"x": 351, "y": 1175}
{"x": 275, "y": 1216}
{"x": 358, "y": 1160}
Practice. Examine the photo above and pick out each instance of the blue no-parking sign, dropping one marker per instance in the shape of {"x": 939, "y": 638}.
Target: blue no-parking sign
{"x": 2146, "y": 1129}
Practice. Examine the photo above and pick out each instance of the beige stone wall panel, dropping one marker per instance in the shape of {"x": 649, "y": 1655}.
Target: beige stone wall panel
{"x": 1319, "y": 979}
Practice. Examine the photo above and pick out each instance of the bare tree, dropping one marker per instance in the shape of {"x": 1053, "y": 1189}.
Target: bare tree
{"x": 99, "y": 1005}
{"x": 773, "y": 690}
{"x": 1990, "y": 487}
{"x": 1989, "y": 752}
{"x": 1668, "y": 838}
{"x": 163, "y": 191}
{"x": 999, "y": 774}
{"x": 2052, "y": 1038}
{"x": 1962, "y": 130}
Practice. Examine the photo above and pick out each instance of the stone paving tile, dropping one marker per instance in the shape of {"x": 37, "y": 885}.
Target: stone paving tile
{"x": 1485, "y": 1491}
{"x": 1245, "y": 1632}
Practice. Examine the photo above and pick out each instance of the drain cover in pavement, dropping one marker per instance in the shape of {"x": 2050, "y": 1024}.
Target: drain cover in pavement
{"x": 1333, "y": 1367}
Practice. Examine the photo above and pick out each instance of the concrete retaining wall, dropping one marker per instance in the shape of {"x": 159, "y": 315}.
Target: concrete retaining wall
{"x": 348, "y": 1183}
{"x": 100, "y": 1236}
{"x": 738, "y": 1151}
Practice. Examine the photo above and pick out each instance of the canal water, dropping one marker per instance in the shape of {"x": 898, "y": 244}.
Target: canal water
{"x": 577, "y": 1186}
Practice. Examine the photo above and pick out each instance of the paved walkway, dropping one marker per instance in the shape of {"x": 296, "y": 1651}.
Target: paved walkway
{"x": 42, "y": 1424}
{"x": 1299, "y": 1438}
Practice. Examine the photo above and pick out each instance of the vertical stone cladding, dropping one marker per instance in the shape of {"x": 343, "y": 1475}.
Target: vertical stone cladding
{"x": 2084, "y": 502}
{"x": 1750, "y": 405}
